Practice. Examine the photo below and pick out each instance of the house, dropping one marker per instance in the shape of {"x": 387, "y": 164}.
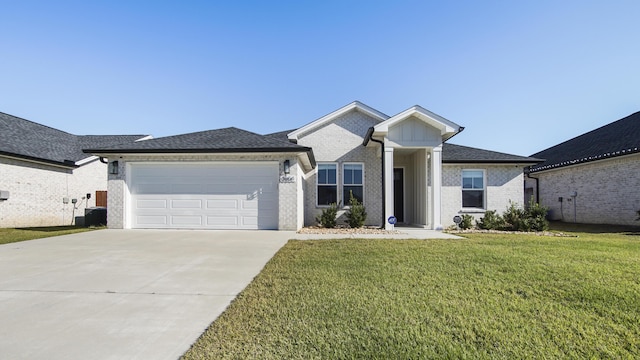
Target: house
{"x": 45, "y": 178}
{"x": 592, "y": 178}
{"x": 400, "y": 167}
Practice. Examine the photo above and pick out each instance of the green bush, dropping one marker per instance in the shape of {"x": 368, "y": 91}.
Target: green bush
{"x": 534, "y": 218}
{"x": 537, "y": 215}
{"x": 467, "y": 222}
{"x": 491, "y": 221}
{"x": 356, "y": 215}
{"x": 328, "y": 217}
{"x": 513, "y": 217}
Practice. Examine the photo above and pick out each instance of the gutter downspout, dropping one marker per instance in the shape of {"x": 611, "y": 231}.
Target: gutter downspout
{"x": 103, "y": 160}
{"x": 367, "y": 138}
{"x": 537, "y": 186}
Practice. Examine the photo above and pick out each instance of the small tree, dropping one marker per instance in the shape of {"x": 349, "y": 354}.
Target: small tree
{"x": 356, "y": 215}
{"x": 515, "y": 218}
{"x": 328, "y": 217}
{"x": 491, "y": 221}
{"x": 467, "y": 222}
{"x": 537, "y": 215}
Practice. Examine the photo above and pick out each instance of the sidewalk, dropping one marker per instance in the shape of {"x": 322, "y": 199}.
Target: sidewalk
{"x": 405, "y": 233}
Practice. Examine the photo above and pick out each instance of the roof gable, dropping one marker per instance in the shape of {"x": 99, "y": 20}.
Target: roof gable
{"x": 446, "y": 127}
{"x": 621, "y": 137}
{"x": 354, "y": 106}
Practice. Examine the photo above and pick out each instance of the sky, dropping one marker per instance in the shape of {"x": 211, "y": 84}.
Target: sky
{"x": 520, "y": 76}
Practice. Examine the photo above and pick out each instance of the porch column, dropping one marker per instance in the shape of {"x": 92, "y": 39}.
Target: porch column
{"x": 436, "y": 187}
{"x": 388, "y": 186}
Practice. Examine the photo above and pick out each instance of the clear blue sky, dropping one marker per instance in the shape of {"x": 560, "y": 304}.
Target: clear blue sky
{"x": 519, "y": 75}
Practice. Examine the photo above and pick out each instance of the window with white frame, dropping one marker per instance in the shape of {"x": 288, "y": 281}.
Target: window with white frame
{"x": 352, "y": 182}
{"x": 473, "y": 189}
{"x": 327, "y": 184}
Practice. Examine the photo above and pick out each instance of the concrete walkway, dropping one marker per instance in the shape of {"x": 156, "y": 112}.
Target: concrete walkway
{"x": 123, "y": 294}
{"x": 405, "y": 233}
{"x": 130, "y": 294}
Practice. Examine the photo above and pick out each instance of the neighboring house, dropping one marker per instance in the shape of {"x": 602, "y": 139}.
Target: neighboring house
{"x": 43, "y": 171}
{"x": 592, "y": 178}
{"x": 234, "y": 179}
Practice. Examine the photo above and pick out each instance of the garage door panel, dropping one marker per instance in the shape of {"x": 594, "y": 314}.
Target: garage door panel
{"x": 181, "y": 220}
{"x": 151, "y": 204}
{"x": 151, "y": 220}
{"x": 205, "y": 195}
{"x": 231, "y": 204}
{"x": 222, "y": 221}
{"x": 186, "y": 204}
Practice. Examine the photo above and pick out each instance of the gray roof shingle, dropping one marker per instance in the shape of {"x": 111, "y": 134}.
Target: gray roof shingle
{"x": 458, "y": 154}
{"x": 29, "y": 140}
{"x": 222, "y": 140}
{"x": 621, "y": 137}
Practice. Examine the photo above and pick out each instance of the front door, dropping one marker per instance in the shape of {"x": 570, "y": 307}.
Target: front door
{"x": 398, "y": 194}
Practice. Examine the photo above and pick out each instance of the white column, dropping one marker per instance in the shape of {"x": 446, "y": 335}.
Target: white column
{"x": 436, "y": 186}
{"x": 388, "y": 187}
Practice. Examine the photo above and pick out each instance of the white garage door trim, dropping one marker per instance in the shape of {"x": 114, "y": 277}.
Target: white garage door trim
{"x": 203, "y": 195}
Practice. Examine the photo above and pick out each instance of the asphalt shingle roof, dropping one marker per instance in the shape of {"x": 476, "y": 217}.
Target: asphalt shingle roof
{"x": 27, "y": 139}
{"x": 621, "y": 137}
{"x": 222, "y": 140}
{"x": 452, "y": 153}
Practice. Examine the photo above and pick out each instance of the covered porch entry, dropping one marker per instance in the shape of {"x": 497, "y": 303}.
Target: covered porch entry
{"x": 411, "y": 187}
{"x": 410, "y": 144}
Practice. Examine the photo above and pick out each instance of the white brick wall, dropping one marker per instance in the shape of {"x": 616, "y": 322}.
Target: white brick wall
{"x": 608, "y": 191}
{"x": 37, "y": 191}
{"x": 504, "y": 183}
{"x": 288, "y": 197}
{"x": 341, "y": 141}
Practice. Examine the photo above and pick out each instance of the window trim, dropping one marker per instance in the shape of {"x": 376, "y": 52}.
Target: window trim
{"x": 484, "y": 190}
{"x": 337, "y": 167}
{"x": 344, "y": 201}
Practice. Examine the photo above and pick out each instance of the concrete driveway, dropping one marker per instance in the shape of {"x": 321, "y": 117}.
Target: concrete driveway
{"x": 123, "y": 294}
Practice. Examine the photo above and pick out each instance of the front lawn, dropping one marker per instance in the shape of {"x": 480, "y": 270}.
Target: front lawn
{"x": 10, "y": 235}
{"x": 488, "y": 296}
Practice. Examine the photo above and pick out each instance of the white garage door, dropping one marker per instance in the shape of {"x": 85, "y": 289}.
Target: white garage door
{"x": 219, "y": 195}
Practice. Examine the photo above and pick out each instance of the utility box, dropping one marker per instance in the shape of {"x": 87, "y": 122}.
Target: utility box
{"x": 4, "y": 195}
{"x": 95, "y": 216}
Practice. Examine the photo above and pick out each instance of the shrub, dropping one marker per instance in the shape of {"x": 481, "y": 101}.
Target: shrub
{"x": 491, "y": 221}
{"x": 516, "y": 218}
{"x": 467, "y": 222}
{"x": 356, "y": 215}
{"x": 638, "y": 212}
{"x": 537, "y": 215}
{"x": 328, "y": 217}
{"x": 534, "y": 218}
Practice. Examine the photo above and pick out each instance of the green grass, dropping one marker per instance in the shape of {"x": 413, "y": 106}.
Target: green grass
{"x": 11, "y": 235}
{"x": 488, "y": 296}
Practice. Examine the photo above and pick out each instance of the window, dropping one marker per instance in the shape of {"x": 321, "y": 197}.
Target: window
{"x": 353, "y": 182}
{"x": 473, "y": 189}
{"x": 327, "y": 184}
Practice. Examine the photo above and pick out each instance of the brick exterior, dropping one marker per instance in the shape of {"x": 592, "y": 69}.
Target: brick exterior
{"x": 287, "y": 200}
{"x": 36, "y": 192}
{"x": 341, "y": 141}
{"x": 607, "y": 191}
{"x": 504, "y": 183}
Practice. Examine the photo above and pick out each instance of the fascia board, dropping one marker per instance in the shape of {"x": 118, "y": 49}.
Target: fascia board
{"x": 332, "y": 116}
{"x": 445, "y": 126}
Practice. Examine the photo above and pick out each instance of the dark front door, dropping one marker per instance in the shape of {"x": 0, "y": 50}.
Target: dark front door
{"x": 398, "y": 194}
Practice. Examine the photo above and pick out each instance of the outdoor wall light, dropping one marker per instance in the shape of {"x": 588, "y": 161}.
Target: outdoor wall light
{"x": 287, "y": 167}
{"x": 113, "y": 167}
